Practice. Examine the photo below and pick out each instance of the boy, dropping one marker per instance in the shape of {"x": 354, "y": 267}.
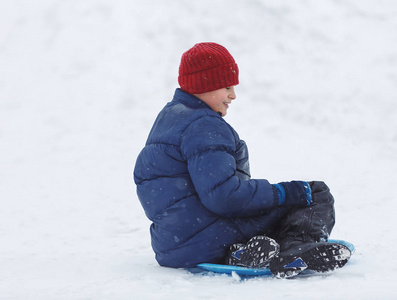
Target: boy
{"x": 194, "y": 183}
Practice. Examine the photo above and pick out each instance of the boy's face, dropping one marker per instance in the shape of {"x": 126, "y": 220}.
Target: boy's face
{"x": 219, "y": 100}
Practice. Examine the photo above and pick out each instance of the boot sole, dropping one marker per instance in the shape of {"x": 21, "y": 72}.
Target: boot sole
{"x": 258, "y": 252}
{"x": 321, "y": 258}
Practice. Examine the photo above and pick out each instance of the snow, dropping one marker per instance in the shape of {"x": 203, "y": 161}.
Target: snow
{"x": 81, "y": 83}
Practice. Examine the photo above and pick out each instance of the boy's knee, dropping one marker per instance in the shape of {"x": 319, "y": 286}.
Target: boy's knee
{"x": 318, "y": 186}
{"x": 321, "y": 192}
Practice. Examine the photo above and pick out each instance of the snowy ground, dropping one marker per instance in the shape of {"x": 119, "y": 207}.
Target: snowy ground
{"x": 81, "y": 83}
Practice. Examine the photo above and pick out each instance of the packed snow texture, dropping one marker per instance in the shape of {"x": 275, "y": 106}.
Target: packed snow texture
{"x": 81, "y": 83}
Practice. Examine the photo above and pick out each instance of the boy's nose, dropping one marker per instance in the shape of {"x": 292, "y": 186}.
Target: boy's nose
{"x": 232, "y": 94}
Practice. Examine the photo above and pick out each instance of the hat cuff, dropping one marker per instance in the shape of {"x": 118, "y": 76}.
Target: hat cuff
{"x": 210, "y": 80}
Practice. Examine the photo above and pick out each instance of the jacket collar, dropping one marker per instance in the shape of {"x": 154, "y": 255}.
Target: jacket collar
{"x": 189, "y": 100}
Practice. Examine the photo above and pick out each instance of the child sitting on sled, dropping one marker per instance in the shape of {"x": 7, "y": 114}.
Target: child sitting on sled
{"x": 194, "y": 183}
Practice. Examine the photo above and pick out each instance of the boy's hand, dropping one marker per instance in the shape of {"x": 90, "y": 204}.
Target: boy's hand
{"x": 294, "y": 193}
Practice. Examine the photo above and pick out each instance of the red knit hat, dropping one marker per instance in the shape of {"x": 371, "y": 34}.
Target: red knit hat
{"x": 207, "y": 67}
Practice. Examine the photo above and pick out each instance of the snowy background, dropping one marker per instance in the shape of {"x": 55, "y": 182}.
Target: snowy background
{"x": 81, "y": 83}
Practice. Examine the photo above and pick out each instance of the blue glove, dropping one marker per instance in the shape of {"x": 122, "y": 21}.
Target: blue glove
{"x": 294, "y": 193}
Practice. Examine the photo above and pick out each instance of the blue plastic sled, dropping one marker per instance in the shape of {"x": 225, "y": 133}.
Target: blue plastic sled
{"x": 246, "y": 272}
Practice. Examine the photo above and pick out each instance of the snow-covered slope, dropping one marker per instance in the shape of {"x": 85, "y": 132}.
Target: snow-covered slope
{"x": 81, "y": 83}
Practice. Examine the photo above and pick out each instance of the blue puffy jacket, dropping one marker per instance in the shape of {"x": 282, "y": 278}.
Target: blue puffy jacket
{"x": 194, "y": 184}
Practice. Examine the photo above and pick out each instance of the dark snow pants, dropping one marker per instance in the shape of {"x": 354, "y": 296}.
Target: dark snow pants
{"x": 310, "y": 224}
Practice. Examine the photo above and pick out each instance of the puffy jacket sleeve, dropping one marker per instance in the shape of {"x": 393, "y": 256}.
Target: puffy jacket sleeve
{"x": 208, "y": 145}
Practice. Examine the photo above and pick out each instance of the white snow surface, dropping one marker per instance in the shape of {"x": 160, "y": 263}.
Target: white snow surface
{"x": 81, "y": 83}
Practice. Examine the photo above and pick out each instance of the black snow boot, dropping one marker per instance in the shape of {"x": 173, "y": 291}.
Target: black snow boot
{"x": 257, "y": 253}
{"x": 319, "y": 257}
